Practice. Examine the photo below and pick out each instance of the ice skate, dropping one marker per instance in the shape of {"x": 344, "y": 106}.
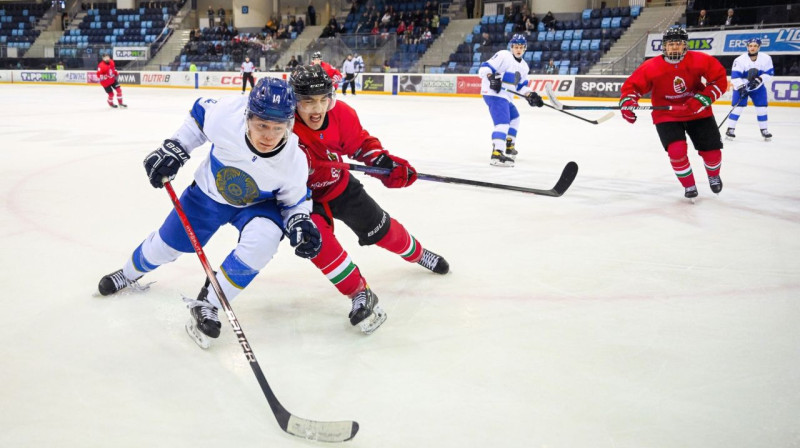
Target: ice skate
{"x": 123, "y": 105}
{"x": 767, "y": 136}
{"x": 203, "y": 324}
{"x": 499, "y": 159}
{"x": 112, "y": 105}
{"x": 366, "y": 312}
{"x": 716, "y": 184}
{"x": 511, "y": 151}
{"x": 729, "y": 134}
{"x": 116, "y": 281}
{"x": 434, "y": 262}
{"x": 691, "y": 193}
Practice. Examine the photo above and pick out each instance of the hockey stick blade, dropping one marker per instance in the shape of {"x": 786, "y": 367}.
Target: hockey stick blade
{"x": 567, "y": 176}
{"x": 552, "y": 97}
{"x": 557, "y": 109}
{"x": 296, "y": 426}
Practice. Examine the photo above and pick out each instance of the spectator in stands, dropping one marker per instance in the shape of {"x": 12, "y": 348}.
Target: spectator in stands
{"x": 192, "y": 67}
{"x": 64, "y": 21}
{"x": 549, "y": 21}
{"x": 470, "y": 8}
{"x": 312, "y": 14}
{"x": 221, "y": 14}
{"x": 702, "y": 19}
{"x": 551, "y": 68}
{"x": 435, "y": 24}
{"x": 375, "y": 30}
{"x": 60, "y": 65}
{"x": 210, "y": 15}
{"x": 292, "y": 64}
{"x": 730, "y": 19}
{"x": 486, "y": 41}
{"x": 386, "y": 66}
{"x": 794, "y": 70}
{"x": 401, "y": 28}
{"x": 426, "y": 36}
{"x": 300, "y": 25}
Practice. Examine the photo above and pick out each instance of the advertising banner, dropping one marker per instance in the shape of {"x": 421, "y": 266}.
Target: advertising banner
{"x": 175, "y": 79}
{"x": 71, "y": 77}
{"x": 129, "y": 78}
{"x": 131, "y": 53}
{"x": 598, "y": 86}
{"x": 468, "y": 85}
{"x": 731, "y": 43}
{"x": 427, "y": 84}
{"x": 373, "y": 83}
{"x": 29, "y": 76}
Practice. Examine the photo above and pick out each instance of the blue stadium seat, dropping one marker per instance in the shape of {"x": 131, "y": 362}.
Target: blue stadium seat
{"x": 587, "y": 14}
{"x": 550, "y": 35}
{"x": 615, "y": 22}
{"x": 565, "y": 45}
{"x": 577, "y": 34}
{"x": 625, "y": 22}
{"x": 541, "y": 36}
{"x": 595, "y": 44}
{"x": 575, "y": 45}
{"x": 559, "y": 35}
{"x": 606, "y": 23}
{"x": 635, "y": 11}
{"x": 568, "y": 34}
{"x": 537, "y": 56}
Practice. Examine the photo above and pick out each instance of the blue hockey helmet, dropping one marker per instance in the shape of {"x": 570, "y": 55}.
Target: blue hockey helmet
{"x": 754, "y": 40}
{"x": 518, "y": 39}
{"x": 272, "y": 99}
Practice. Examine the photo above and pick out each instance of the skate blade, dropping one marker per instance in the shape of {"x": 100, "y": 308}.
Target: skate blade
{"x": 502, "y": 164}
{"x": 197, "y": 336}
{"x": 375, "y": 320}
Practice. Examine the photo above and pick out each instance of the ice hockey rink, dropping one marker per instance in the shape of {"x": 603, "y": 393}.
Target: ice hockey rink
{"x": 619, "y": 315}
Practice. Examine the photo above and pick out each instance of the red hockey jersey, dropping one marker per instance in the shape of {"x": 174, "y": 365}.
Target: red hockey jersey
{"x": 674, "y": 84}
{"x": 107, "y": 72}
{"x": 341, "y": 135}
{"x": 334, "y": 74}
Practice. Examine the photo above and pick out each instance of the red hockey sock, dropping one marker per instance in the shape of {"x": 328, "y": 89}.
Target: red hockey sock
{"x": 399, "y": 241}
{"x": 712, "y": 161}
{"x": 111, "y": 98}
{"x": 680, "y": 162}
{"x": 334, "y": 261}
{"x": 119, "y": 95}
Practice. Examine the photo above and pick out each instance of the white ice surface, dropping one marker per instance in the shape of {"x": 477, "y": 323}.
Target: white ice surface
{"x": 619, "y": 315}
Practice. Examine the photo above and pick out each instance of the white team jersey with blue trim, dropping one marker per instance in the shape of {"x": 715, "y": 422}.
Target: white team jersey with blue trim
{"x": 233, "y": 174}
{"x": 514, "y": 72}
{"x": 743, "y": 64}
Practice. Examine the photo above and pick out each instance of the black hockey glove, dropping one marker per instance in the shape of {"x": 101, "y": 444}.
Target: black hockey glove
{"x": 754, "y": 83}
{"x": 303, "y": 236}
{"x": 165, "y": 162}
{"x": 496, "y": 82}
{"x": 534, "y": 99}
{"x": 742, "y": 91}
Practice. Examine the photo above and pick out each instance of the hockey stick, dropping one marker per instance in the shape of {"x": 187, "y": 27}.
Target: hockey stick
{"x": 296, "y": 426}
{"x": 744, "y": 97}
{"x": 598, "y": 121}
{"x": 560, "y": 106}
{"x": 563, "y": 183}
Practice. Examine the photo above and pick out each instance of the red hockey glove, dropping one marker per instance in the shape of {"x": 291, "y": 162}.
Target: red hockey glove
{"x": 629, "y": 101}
{"x": 697, "y": 103}
{"x": 402, "y": 174}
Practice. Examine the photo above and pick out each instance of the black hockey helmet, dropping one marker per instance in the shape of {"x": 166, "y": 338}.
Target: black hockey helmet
{"x": 307, "y": 80}
{"x": 674, "y": 33}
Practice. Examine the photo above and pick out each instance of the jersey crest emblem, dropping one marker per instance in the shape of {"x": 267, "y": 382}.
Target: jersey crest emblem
{"x": 236, "y": 186}
{"x": 679, "y": 85}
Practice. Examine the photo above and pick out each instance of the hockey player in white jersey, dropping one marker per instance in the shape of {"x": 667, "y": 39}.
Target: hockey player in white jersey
{"x": 253, "y": 178}
{"x": 506, "y": 70}
{"x": 750, "y": 75}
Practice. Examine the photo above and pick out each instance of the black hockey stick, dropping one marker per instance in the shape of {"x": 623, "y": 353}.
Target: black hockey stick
{"x": 567, "y": 176}
{"x": 598, "y": 121}
{"x": 744, "y": 97}
{"x": 296, "y": 426}
{"x": 560, "y": 106}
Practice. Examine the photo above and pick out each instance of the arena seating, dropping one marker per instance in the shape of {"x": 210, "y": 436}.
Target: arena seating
{"x": 17, "y": 23}
{"x": 573, "y": 44}
{"x": 105, "y": 26}
{"x": 219, "y": 49}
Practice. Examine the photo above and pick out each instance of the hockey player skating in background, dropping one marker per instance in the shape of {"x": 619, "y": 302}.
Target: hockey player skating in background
{"x": 253, "y": 178}
{"x": 107, "y": 73}
{"x": 506, "y": 69}
{"x": 247, "y": 74}
{"x": 750, "y": 74}
{"x": 334, "y": 74}
{"x": 328, "y": 131}
{"x": 675, "y": 79}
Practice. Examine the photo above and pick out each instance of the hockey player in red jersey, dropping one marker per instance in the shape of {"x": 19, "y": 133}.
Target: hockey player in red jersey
{"x": 329, "y": 131}
{"x": 676, "y": 79}
{"x": 107, "y": 72}
{"x": 333, "y": 74}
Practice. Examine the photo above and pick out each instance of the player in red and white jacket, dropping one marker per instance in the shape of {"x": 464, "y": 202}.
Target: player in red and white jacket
{"x": 689, "y": 81}
{"x": 329, "y": 131}
{"x": 107, "y": 73}
{"x": 334, "y": 74}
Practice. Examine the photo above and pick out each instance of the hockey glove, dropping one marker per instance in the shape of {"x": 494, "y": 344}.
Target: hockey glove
{"x": 534, "y": 99}
{"x": 697, "y": 103}
{"x": 628, "y": 101}
{"x": 496, "y": 82}
{"x": 742, "y": 91}
{"x": 303, "y": 236}
{"x": 754, "y": 83}
{"x": 402, "y": 174}
{"x": 165, "y": 162}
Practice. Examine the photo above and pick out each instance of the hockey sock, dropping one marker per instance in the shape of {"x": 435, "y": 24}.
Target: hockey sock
{"x": 334, "y": 261}
{"x": 152, "y": 253}
{"x": 119, "y": 96}
{"x": 761, "y": 115}
{"x": 399, "y": 241}
{"x": 712, "y": 161}
{"x": 499, "y": 137}
{"x": 680, "y": 162}
{"x": 111, "y": 98}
